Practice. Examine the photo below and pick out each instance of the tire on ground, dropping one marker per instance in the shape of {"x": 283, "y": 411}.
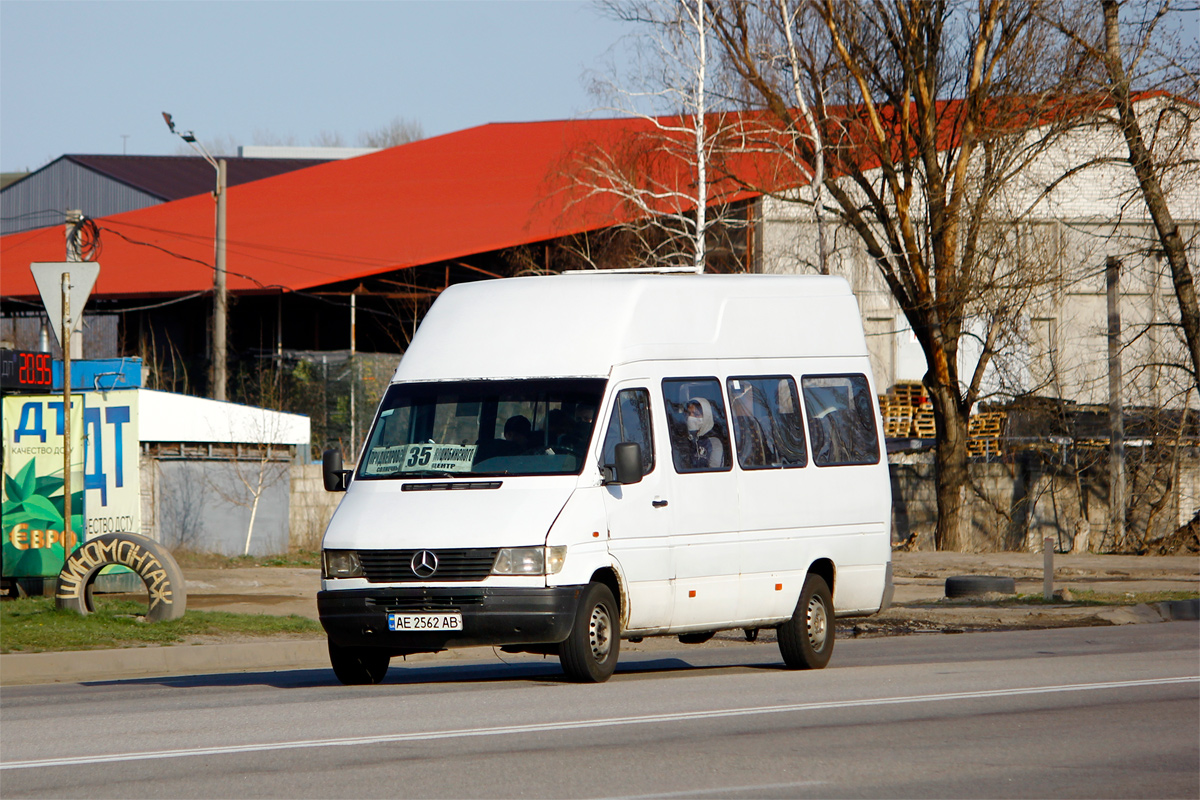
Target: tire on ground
{"x": 152, "y": 562}
{"x": 806, "y": 640}
{"x": 970, "y": 585}
{"x": 358, "y": 666}
{"x": 589, "y": 654}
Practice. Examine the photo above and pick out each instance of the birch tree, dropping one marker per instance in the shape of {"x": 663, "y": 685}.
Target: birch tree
{"x": 662, "y": 177}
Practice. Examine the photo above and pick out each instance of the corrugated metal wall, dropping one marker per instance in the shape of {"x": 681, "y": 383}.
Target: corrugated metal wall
{"x": 101, "y": 335}
{"x": 43, "y": 198}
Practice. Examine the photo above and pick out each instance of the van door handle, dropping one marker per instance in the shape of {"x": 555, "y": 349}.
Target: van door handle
{"x": 658, "y": 503}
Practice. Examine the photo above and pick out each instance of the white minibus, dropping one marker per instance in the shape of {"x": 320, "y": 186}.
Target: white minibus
{"x": 564, "y": 462}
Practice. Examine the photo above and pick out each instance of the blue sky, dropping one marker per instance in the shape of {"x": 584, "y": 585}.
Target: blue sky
{"x": 76, "y": 76}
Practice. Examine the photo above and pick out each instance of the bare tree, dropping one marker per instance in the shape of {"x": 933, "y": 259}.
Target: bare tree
{"x": 399, "y": 131}
{"x": 924, "y": 112}
{"x": 327, "y": 138}
{"x": 1143, "y": 48}
{"x": 660, "y": 170}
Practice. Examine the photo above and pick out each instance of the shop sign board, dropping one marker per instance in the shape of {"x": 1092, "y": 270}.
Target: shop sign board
{"x": 35, "y": 540}
{"x": 112, "y": 480}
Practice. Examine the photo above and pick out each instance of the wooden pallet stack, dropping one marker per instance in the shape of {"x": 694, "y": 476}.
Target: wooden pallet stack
{"x": 984, "y": 431}
{"x": 907, "y": 412}
{"x": 923, "y": 425}
{"x": 897, "y": 419}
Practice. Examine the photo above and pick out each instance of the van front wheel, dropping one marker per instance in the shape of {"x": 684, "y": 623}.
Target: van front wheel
{"x": 358, "y": 666}
{"x": 806, "y": 640}
{"x": 589, "y": 653}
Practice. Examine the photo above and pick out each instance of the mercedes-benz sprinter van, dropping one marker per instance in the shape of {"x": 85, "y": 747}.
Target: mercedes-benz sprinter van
{"x": 567, "y": 461}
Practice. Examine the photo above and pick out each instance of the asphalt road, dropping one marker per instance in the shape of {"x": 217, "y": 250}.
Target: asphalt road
{"x": 1077, "y": 712}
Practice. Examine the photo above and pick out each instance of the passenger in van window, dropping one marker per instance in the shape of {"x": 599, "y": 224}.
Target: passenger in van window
{"x": 585, "y": 415}
{"x": 518, "y": 431}
{"x": 709, "y": 452}
{"x": 561, "y": 435}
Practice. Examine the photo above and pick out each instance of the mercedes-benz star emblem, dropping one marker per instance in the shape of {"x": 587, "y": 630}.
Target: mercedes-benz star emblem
{"x": 424, "y": 563}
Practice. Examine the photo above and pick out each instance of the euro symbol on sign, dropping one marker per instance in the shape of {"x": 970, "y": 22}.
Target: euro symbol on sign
{"x": 424, "y": 563}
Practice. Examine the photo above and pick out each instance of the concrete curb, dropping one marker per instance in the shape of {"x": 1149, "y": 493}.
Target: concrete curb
{"x": 273, "y": 655}
{"x": 1182, "y": 610}
{"x": 1169, "y": 611}
{"x": 127, "y": 663}
{"x": 76, "y": 666}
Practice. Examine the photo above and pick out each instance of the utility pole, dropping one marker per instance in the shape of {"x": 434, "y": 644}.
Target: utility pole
{"x": 353, "y": 373}
{"x": 74, "y": 222}
{"x": 1116, "y": 418}
{"x": 67, "y": 327}
{"x": 220, "y": 300}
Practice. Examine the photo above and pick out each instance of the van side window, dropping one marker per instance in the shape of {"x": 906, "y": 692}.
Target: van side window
{"x": 767, "y": 429}
{"x": 697, "y": 424}
{"x": 630, "y": 422}
{"x": 841, "y": 423}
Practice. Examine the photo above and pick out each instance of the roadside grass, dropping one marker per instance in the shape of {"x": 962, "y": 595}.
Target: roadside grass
{"x": 34, "y": 625}
{"x": 294, "y": 558}
{"x": 1086, "y": 597}
{"x": 1079, "y": 597}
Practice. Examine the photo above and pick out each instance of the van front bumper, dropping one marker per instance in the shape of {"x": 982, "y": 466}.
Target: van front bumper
{"x": 490, "y": 616}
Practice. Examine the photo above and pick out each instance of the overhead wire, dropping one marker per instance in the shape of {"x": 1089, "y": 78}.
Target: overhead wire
{"x": 88, "y": 231}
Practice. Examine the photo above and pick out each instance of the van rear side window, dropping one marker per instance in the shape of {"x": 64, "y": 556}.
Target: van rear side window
{"x": 841, "y": 422}
{"x": 697, "y": 425}
{"x": 768, "y": 432}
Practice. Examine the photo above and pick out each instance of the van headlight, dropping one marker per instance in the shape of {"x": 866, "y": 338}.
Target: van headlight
{"x": 529, "y": 560}
{"x": 340, "y": 564}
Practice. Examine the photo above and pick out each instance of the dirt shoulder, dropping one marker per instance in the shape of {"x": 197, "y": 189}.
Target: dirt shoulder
{"x": 919, "y": 606}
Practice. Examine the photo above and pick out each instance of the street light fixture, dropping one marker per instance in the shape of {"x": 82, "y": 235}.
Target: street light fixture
{"x": 220, "y": 298}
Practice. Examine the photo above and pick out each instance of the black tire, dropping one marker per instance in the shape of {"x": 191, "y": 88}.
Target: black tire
{"x": 971, "y": 585}
{"x": 358, "y": 666}
{"x": 806, "y": 640}
{"x": 589, "y": 654}
{"x": 153, "y": 563}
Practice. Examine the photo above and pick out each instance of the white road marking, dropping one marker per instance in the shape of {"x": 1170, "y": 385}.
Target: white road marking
{"x": 603, "y": 722}
{"x": 756, "y": 790}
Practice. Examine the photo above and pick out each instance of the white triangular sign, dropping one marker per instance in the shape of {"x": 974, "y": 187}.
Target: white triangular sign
{"x": 48, "y": 277}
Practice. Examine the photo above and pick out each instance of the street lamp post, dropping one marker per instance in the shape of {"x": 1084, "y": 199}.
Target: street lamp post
{"x": 220, "y": 298}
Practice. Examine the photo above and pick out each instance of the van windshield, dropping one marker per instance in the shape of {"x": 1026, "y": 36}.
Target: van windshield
{"x": 472, "y": 428}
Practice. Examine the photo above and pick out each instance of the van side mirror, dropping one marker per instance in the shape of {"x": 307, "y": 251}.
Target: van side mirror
{"x": 336, "y": 479}
{"x": 628, "y": 468}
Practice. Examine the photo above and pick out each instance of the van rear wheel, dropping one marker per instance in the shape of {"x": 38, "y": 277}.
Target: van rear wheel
{"x": 358, "y": 666}
{"x": 589, "y": 653}
{"x": 806, "y": 640}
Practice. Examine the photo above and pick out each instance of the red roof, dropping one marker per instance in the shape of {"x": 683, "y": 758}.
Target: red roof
{"x": 435, "y": 200}
{"x": 439, "y": 199}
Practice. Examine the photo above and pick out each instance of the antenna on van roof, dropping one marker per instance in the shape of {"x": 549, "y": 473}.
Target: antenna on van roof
{"x": 636, "y": 271}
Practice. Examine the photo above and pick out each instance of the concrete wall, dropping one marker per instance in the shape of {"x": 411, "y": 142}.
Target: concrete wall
{"x": 1035, "y": 496}
{"x": 311, "y": 506}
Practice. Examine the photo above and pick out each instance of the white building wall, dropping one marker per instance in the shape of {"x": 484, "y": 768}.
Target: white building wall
{"x": 1070, "y": 229}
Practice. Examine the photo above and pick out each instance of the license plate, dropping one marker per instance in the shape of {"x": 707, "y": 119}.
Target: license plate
{"x": 425, "y": 622}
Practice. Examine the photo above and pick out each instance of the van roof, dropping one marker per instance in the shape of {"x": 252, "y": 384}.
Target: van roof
{"x": 584, "y": 324}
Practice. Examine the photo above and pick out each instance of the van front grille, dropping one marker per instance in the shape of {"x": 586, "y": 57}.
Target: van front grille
{"x": 419, "y": 602}
{"x": 396, "y": 566}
